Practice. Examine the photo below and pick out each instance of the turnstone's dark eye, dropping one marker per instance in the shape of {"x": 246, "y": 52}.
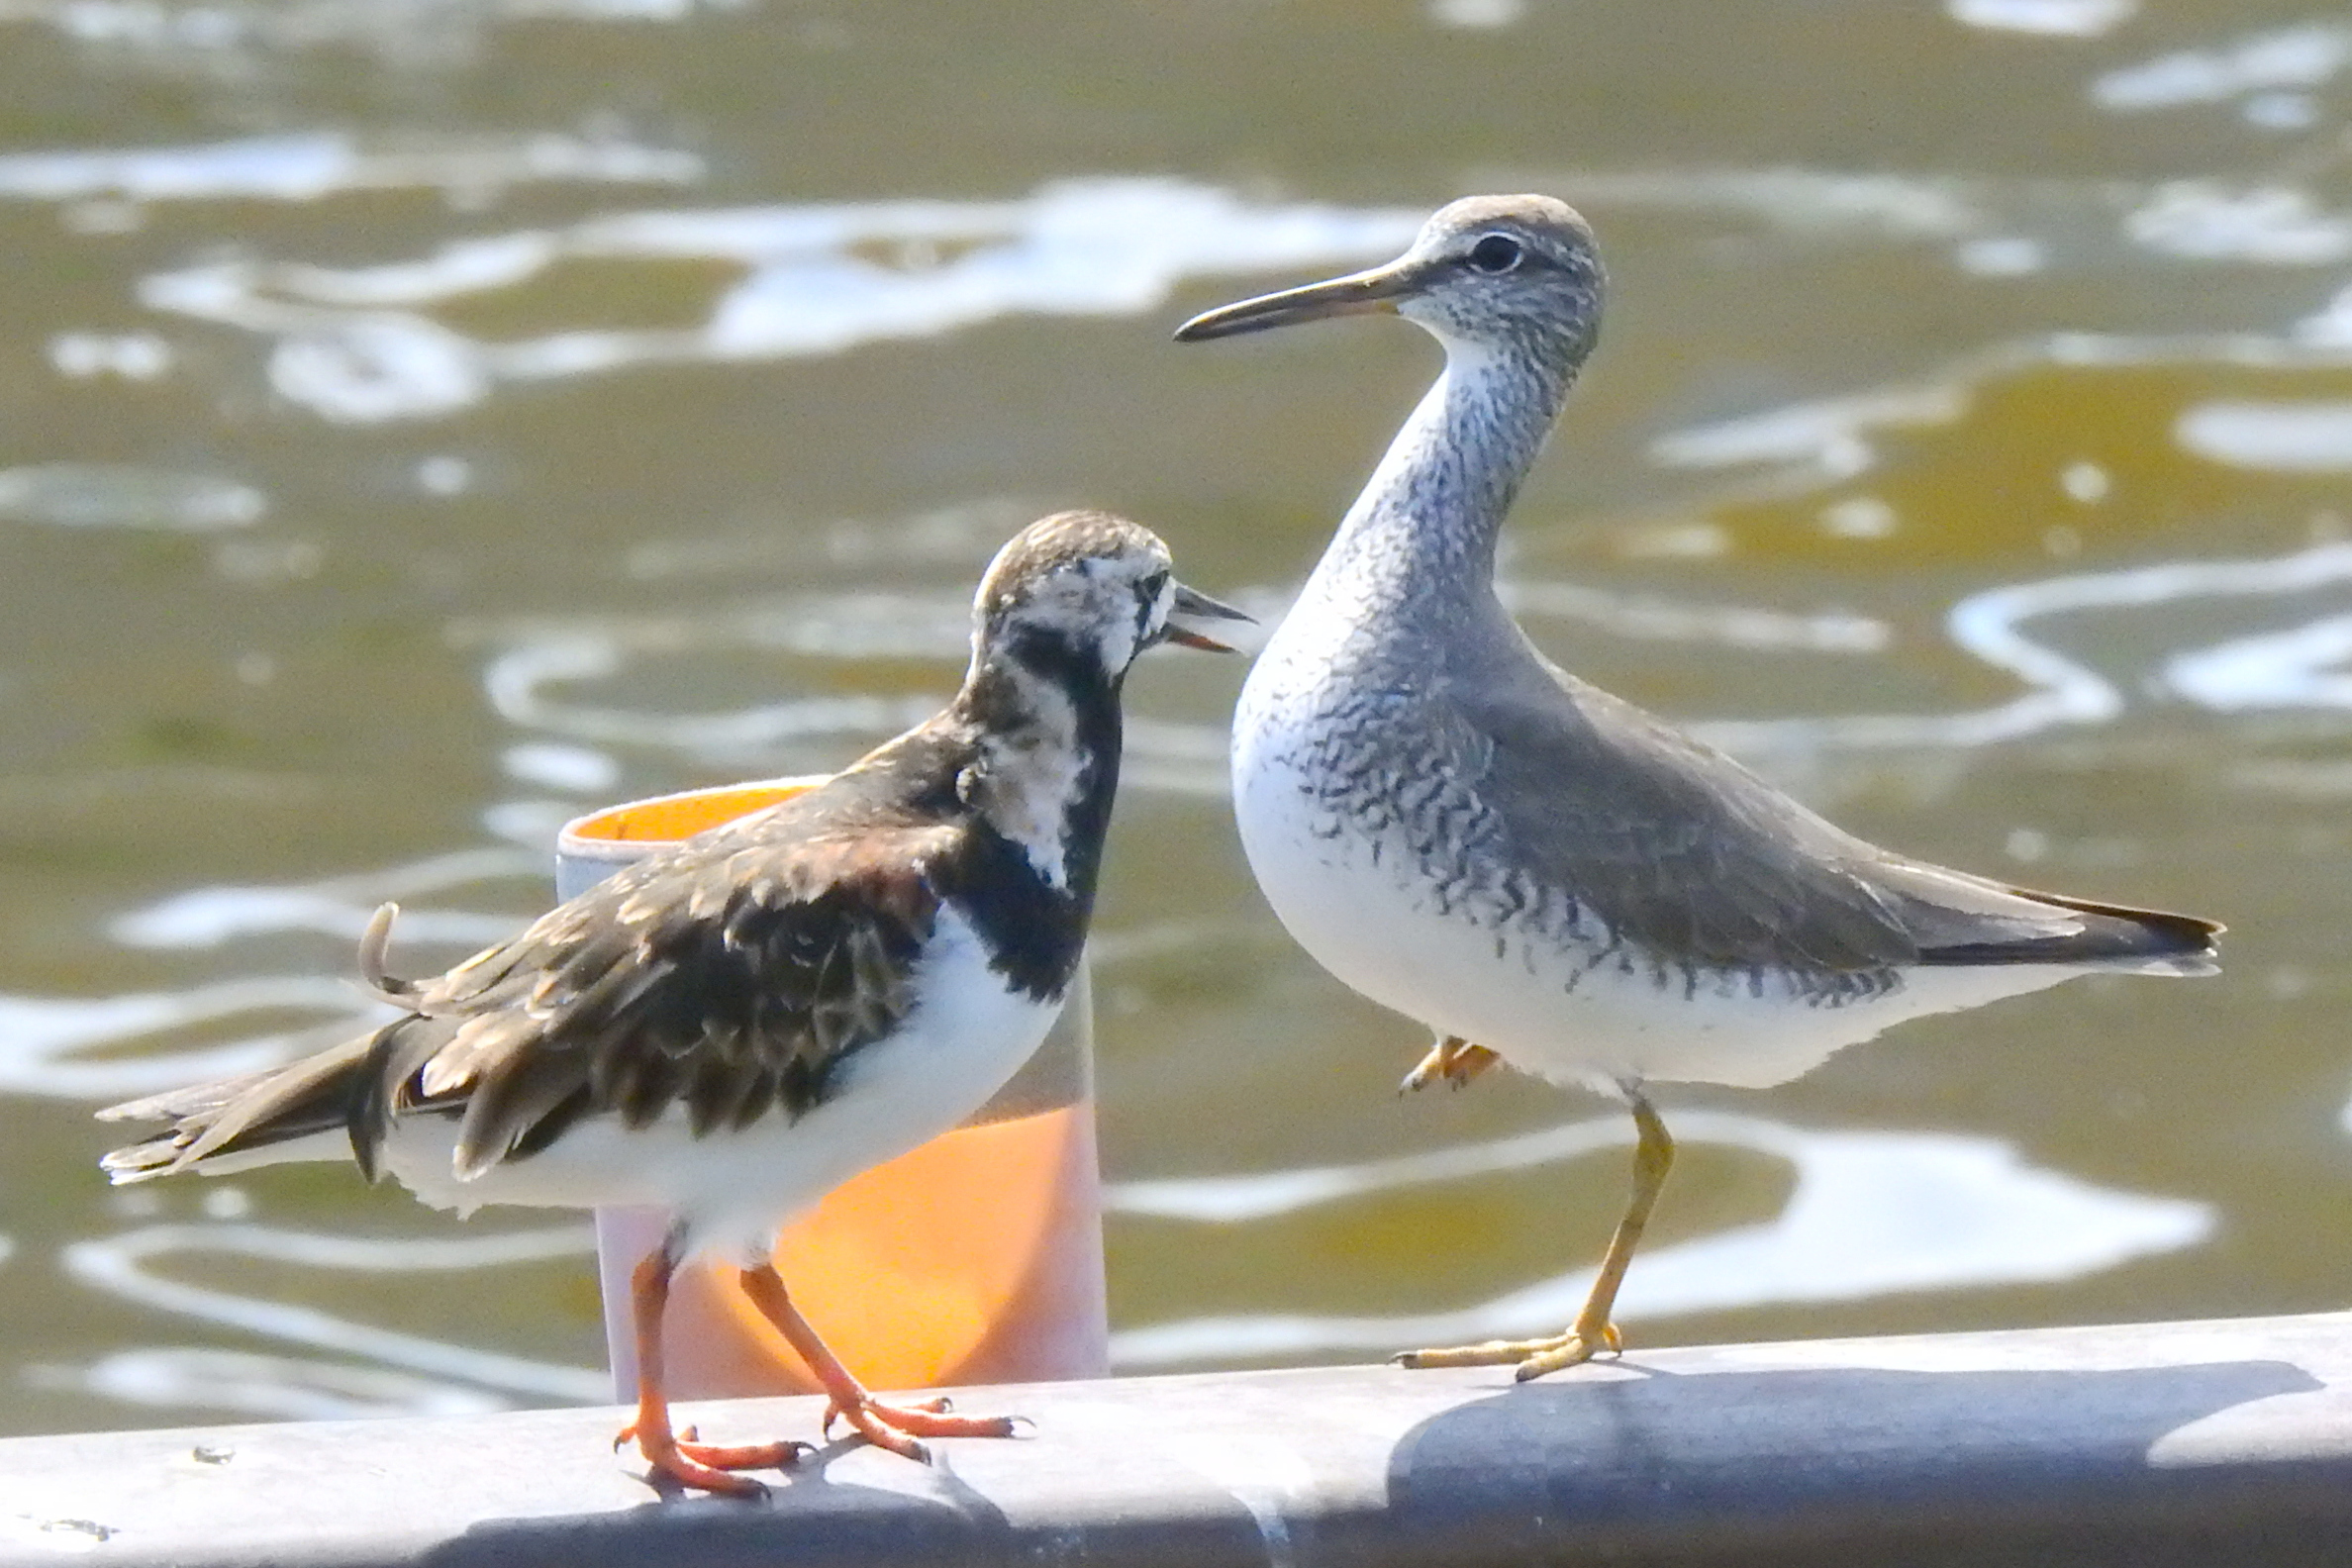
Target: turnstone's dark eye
{"x": 1495, "y": 254}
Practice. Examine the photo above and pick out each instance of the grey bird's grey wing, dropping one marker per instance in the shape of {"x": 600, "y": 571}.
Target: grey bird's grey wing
{"x": 1668, "y": 844}
{"x": 732, "y": 977}
{"x": 1678, "y": 848}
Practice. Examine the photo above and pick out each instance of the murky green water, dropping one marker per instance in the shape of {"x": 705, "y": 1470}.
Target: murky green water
{"x": 422, "y": 418}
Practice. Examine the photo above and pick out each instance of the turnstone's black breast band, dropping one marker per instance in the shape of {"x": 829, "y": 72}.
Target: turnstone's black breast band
{"x": 1033, "y": 929}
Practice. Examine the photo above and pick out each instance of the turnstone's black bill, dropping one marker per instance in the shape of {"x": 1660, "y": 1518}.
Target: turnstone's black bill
{"x": 731, "y": 1027}
{"x": 1465, "y": 833}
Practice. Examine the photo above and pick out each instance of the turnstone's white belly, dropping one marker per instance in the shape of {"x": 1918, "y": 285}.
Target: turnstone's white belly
{"x": 960, "y": 1045}
{"x": 1564, "y": 1004}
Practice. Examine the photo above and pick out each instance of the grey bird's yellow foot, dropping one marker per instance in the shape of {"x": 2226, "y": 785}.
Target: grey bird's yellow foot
{"x": 1453, "y": 1059}
{"x": 1533, "y": 1357}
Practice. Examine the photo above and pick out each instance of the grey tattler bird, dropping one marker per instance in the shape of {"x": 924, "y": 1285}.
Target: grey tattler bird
{"x": 1532, "y": 869}
{"x": 735, "y": 1026}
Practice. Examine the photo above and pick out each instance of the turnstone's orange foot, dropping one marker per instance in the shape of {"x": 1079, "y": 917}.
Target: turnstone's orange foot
{"x": 1453, "y": 1059}
{"x": 1533, "y": 1357}
{"x": 710, "y": 1467}
{"x": 898, "y": 1427}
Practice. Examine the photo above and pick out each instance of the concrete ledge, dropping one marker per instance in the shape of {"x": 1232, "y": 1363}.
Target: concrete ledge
{"x": 2156, "y": 1445}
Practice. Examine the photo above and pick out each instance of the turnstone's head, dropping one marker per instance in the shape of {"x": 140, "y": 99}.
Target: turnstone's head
{"x": 1091, "y": 589}
{"x": 1490, "y": 272}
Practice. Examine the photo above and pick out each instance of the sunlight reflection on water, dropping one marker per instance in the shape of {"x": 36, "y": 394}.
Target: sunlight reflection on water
{"x": 2271, "y": 670}
{"x": 236, "y": 38}
{"x": 2278, "y": 437}
{"x": 118, "y": 1266}
{"x": 121, "y": 495}
{"x": 340, "y": 905}
{"x": 62, "y": 1048}
{"x": 350, "y": 345}
{"x": 2297, "y": 57}
{"x": 1871, "y": 1213}
{"x": 268, "y": 1387}
{"x": 313, "y": 166}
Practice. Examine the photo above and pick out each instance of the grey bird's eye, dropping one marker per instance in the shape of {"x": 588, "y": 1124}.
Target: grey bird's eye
{"x": 1497, "y": 253}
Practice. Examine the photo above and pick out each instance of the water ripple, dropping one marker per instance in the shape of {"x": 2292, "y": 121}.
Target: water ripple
{"x": 1872, "y": 1212}
{"x": 1819, "y": 443}
{"x": 116, "y": 1265}
{"x": 233, "y": 37}
{"x": 2289, "y": 58}
{"x": 74, "y": 1047}
{"x": 517, "y": 680}
{"x": 118, "y": 495}
{"x": 270, "y": 1387}
{"x": 2063, "y": 692}
{"x": 351, "y": 346}
{"x": 524, "y": 679}
{"x": 2275, "y": 437}
{"x": 1673, "y": 621}
{"x": 310, "y": 167}
{"x": 2049, "y": 18}
{"x": 2267, "y": 224}
{"x": 62, "y": 1048}
{"x": 208, "y": 917}
{"x": 2278, "y": 669}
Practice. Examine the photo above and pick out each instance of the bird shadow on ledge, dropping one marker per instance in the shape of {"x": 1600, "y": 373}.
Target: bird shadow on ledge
{"x": 806, "y": 1517}
{"x": 1859, "y": 1466}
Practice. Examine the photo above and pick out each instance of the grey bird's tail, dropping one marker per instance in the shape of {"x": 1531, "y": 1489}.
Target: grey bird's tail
{"x": 2106, "y": 936}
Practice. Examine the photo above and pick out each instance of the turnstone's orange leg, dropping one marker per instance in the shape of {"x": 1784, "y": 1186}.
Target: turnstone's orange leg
{"x": 1453, "y": 1059}
{"x": 893, "y": 1426}
{"x": 1592, "y": 1333}
{"x": 703, "y": 1466}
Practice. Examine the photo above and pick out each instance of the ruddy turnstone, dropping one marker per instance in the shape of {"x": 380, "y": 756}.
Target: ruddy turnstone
{"x": 734, "y": 1026}
{"x": 1468, "y": 834}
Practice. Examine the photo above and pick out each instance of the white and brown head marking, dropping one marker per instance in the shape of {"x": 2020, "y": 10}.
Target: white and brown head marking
{"x": 1073, "y": 585}
{"x": 1063, "y": 611}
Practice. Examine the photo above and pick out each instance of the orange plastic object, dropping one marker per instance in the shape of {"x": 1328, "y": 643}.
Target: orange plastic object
{"x": 976, "y": 1258}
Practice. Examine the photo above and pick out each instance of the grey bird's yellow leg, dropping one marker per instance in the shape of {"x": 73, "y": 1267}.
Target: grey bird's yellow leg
{"x": 1593, "y": 1332}
{"x": 1453, "y": 1059}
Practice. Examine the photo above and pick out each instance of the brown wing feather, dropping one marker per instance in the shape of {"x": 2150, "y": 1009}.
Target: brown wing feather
{"x": 730, "y": 976}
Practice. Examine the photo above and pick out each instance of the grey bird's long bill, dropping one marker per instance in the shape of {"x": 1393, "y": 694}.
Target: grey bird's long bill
{"x": 1358, "y": 293}
{"x": 1197, "y": 605}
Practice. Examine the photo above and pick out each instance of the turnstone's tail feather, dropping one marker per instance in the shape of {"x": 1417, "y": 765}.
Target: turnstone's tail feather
{"x": 263, "y": 1117}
